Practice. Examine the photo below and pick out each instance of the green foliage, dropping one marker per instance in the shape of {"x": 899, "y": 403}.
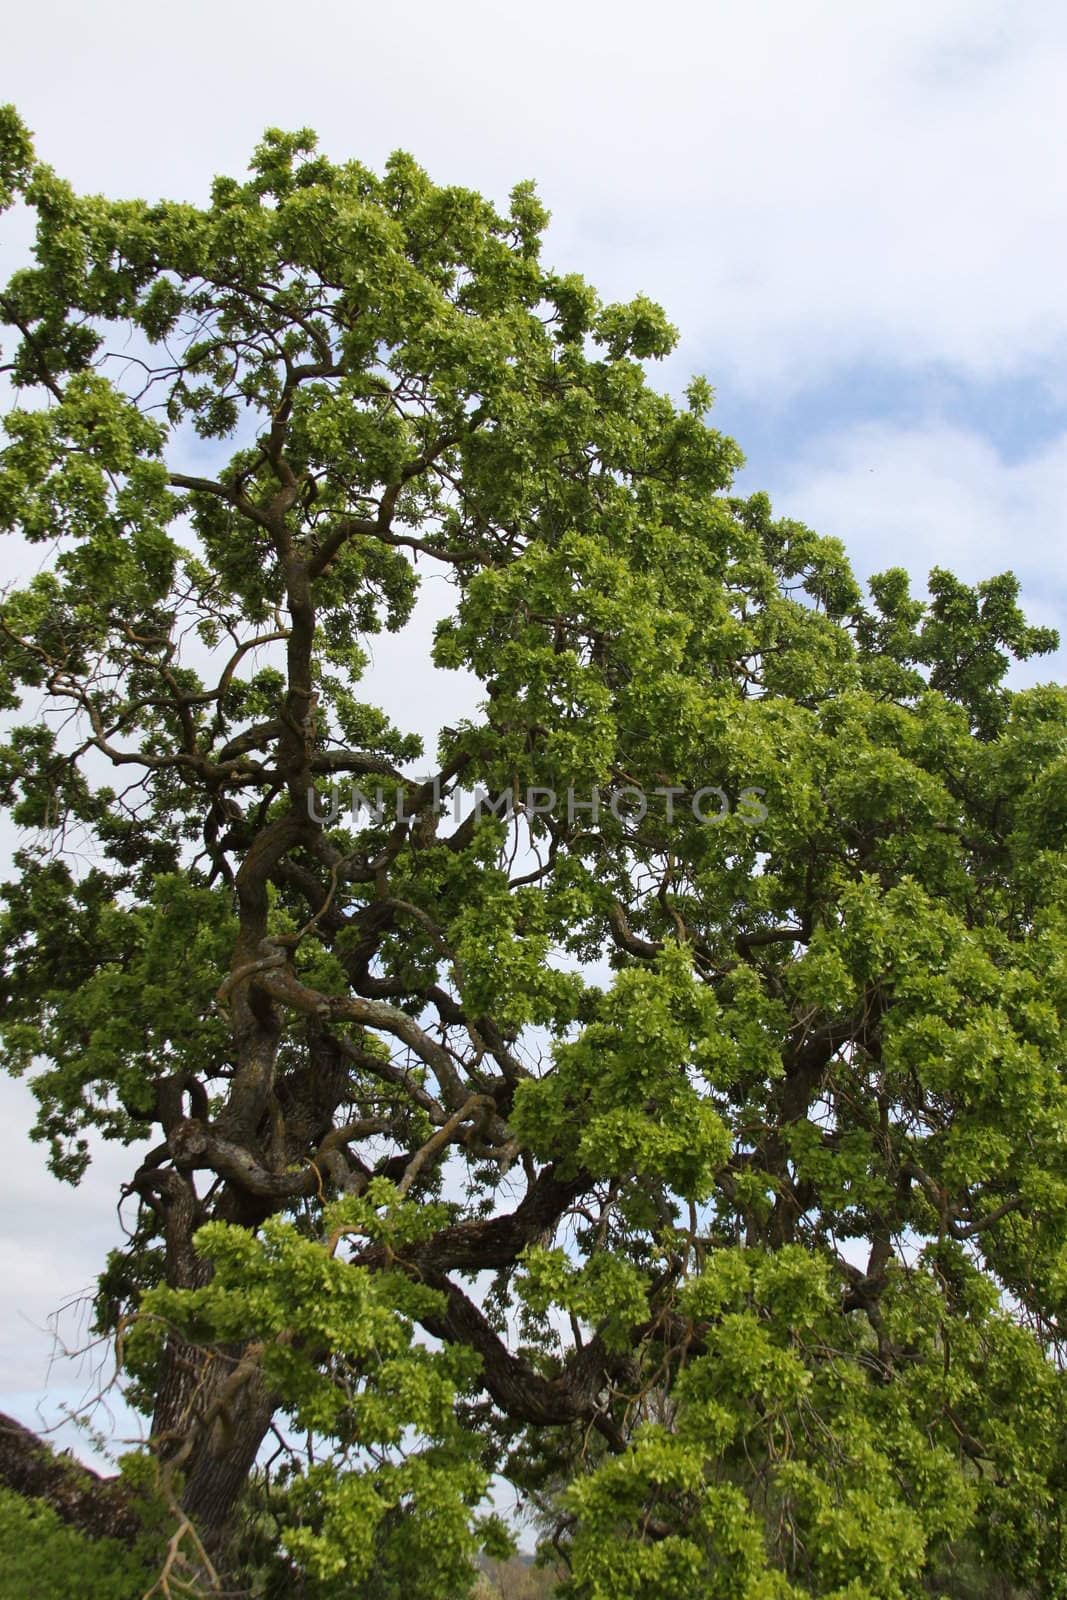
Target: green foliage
{"x": 42, "y": 1557}
{"x": 697, "y": 1165}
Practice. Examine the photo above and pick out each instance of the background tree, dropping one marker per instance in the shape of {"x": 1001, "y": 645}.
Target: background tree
{"x": 746, "y": 1266}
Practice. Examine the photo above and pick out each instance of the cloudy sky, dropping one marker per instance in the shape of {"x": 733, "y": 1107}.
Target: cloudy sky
{"x": 853, "y": 213}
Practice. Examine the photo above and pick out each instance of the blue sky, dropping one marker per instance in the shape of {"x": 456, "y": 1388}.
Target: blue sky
{"x": 1017, "y": 415}
{"x": 854, "y": 214}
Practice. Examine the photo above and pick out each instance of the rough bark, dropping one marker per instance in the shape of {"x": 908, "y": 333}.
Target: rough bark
{"x": 219, "y": 1470}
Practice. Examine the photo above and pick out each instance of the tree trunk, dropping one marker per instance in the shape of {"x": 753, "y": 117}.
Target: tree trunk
{"x": 219, "y": 1470}
{"x": 215, "y": 1440}
{"x": 227, "y": 1436}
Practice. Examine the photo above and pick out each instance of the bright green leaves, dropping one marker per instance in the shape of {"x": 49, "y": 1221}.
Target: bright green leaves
{"x": 114, "y": 996}
{"x": 678, "y": 1139}
{"x": 88, "y": 471}
{"x": 606, "y": 1293}
{"x": 622, "y": 1100}
{"x": 337, "y": 1339}
{"x": 638, "y": 329}
{"x": 337, "y": 1344}
{"x": 796, "y": 1286}
{"x": 791, "y": 1466}
{"x": 16, "y": 155}
{"x": 798, "y": 552}
{"x": 624, "y": 1493}
{"x": 277, "y": 165}
{"x": 960, "y": 642}
{"x": 970, "y": 1367}
{"x": 503, "y": 964}
{"x": 67, "y": 455}
{"x": 529, "y": 216}
{"x": 576, "y": 305}
{"x": 406, "y": 1528}
{"x": 42, "y": 1555}
{"x": 510, "y": 627}
{"x": 966, "y": 636}
{"x": 842, "y": 1169}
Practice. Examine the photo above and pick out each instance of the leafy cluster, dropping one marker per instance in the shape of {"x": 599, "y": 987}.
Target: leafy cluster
{"x": 702, "y": 1178}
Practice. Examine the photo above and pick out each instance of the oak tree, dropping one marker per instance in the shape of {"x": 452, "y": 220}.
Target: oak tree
{"x": 694, "y": 1163}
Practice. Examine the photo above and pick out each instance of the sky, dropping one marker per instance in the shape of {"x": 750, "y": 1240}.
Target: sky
{"x": 853, "y": 214}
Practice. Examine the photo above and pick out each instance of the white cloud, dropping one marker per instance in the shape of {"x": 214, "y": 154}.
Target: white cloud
{"x": 801, "y": 185}
{"x": 53, "y": 1244}
{"x": 939, "y": 495}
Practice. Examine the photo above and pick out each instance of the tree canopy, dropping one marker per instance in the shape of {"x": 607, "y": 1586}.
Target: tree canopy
{"x": 694, "y": 1163}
